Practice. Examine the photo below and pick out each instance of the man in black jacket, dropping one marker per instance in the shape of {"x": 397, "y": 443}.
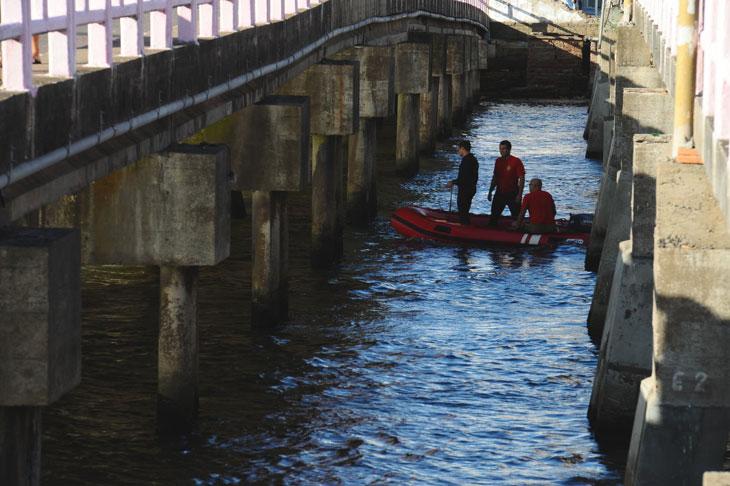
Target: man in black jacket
{"x": 466, "y": 180}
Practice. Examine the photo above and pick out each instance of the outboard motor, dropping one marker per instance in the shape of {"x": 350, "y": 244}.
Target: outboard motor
{"x": 580, "y": 223}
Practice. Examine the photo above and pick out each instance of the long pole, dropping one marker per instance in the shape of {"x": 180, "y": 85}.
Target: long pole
{"x": 684, "y": 85}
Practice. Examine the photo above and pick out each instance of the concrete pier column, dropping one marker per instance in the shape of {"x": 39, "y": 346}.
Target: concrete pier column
{"x": 442, "y": 91}
{"x": 682, "y": 418}
{"x": 642, "y": 111}
{"x": 634, "y": 69}
{"x": 455, "y": 67}
{"x": 326, "y": 177}
{"x": 361, "y": 192}
{"x": 458, "y": 99}
{"x": 269, "y": 281}
{"x": 40, "y": 339}
{"x": 329, "y": 124}
{"x": 20, "y": 445}
{"x": 270, "y": 149}
{"x": 428, "y": 118}
{"x": 177, "y": 347}
{"x": 406, "y": 138}
{"x": 445, "y": 120}
{"x": 412, "y": 79}
{"x": 171, "y": 210}
{"x": 377, "y": 100}
{"x": 476, "y": 80}
{"x": 626, "y": 346}
{"x": 483, "y": 63}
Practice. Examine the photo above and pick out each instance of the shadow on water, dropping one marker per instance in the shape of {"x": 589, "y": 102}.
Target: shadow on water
{"x": 411, "y": 363}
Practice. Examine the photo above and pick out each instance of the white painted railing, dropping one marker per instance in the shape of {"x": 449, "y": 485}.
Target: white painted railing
{"x": 64, "y": 21}
{"x": 713, "y": 58}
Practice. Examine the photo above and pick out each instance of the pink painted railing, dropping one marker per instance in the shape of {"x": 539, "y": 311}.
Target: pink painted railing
{"x": 63, "y": 21}
{"x": 713, "y": 62}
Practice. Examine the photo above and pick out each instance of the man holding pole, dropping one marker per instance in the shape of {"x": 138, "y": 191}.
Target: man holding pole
{"x": 466, "y": 180}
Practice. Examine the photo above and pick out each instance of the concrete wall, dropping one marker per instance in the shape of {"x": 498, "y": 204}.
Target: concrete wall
{"x": 542, "y": 59}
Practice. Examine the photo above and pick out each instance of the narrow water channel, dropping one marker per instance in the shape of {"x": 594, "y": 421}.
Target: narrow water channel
{"x": 413, "y": 363}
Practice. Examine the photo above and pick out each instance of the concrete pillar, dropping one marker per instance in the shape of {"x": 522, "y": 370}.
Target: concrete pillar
{"x": 476, "y": 84}
{"x": 428, "y": 118}
{"x": 406, "y": 145}
{"x": 412, "y": 79}
{"x": 270, "y": 154}
{"x": 20, "y": 445}
{"x": 329, "y": 122}
{"x": 682, "y": 418}
{"x": 444, "y": 106}
{"x": 170, "y": 210}
{"x": 177, "y": 347}
{"x": 642, "y": 111}
{"x": 626, "y": 346}
{"x": 40, "y": 339}
{"x": 361, "y": 193}
{"x": 326, "y": 177}
{"x": 455, "y": 66}
{"x": 377, "y": 100}
{"x": 468, "y": 94}
{"x": 270, "y": 282}
{"x": 442, "y": 89}
{"x": 633, "y": 70}
{"x": 458, "y": 99}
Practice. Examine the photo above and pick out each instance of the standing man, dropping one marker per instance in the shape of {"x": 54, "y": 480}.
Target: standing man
{"x": 466, "y": 180}
{"x": 541, "y": 206}
{"x": 509, "y": 180}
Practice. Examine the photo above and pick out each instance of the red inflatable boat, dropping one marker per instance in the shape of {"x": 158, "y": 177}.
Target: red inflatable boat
{"x": 438, "y": 225}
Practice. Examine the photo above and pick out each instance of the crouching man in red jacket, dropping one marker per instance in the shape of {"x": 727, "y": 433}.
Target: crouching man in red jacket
{"x": 541, "y": 207}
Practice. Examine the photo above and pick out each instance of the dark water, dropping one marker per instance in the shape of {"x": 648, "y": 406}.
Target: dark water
{"x": 412, "y": 363}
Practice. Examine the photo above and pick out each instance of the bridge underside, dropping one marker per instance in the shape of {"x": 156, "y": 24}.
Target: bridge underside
{"x": 106, "y": 119}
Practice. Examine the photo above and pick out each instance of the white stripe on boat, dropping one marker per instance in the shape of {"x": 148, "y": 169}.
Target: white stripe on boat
{"x": 535, "y": 239}
{"x": 524, "y": 239}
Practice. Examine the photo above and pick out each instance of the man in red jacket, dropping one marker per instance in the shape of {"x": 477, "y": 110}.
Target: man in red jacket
{"x": 509, "y": 180}
{"x": 541, "y": 206}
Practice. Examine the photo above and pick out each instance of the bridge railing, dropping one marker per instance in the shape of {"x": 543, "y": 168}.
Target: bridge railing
{"x": 713, "y": 45}
{"x": 106, "y": 23}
